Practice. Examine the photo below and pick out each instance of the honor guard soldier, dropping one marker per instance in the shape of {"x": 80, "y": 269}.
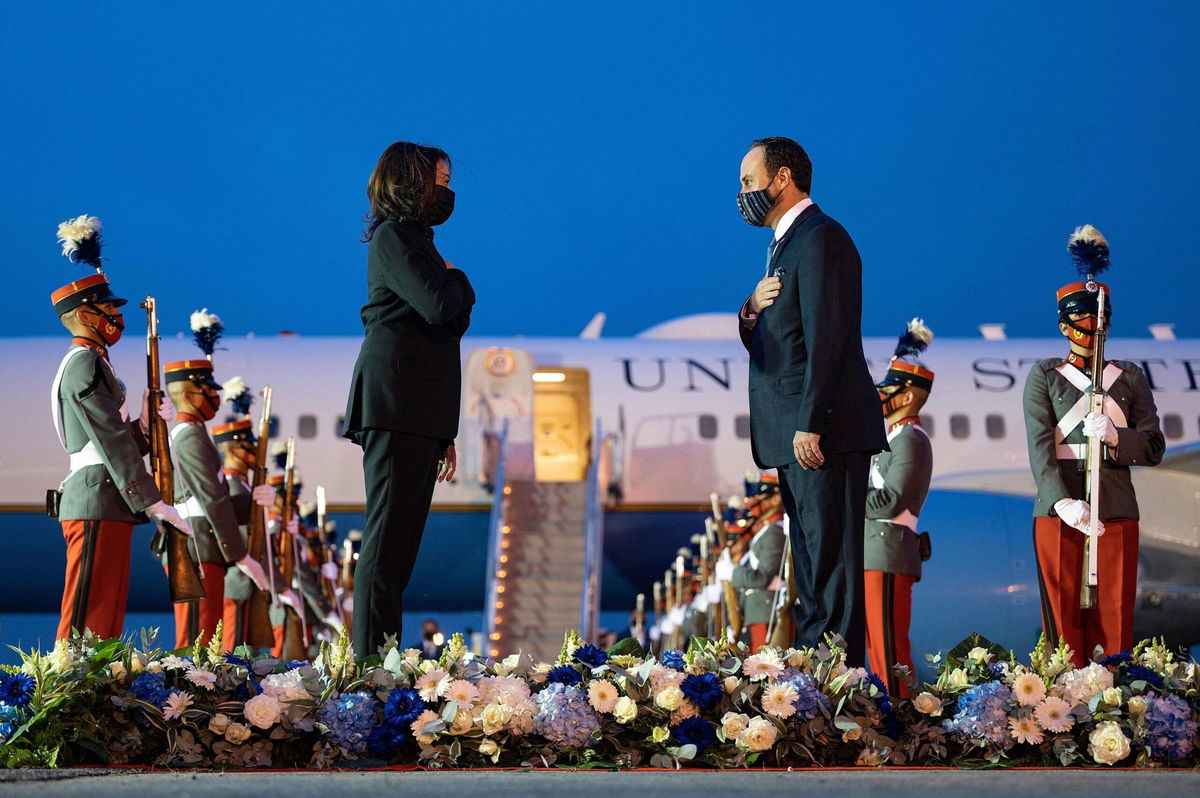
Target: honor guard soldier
{"x": 893, "y": 550}
{"x": 203, "y": 497}
{"x": 235, "y": 442}
{"x": 753, "y": 563}
{"x": 108, "y": 489}
{"x": 1059, "y": 423}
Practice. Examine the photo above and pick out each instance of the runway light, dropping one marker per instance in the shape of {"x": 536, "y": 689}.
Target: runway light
{"x": 499, "y": 588}
{"x": 499, "y": 620}
{"x": 549, "y": 376}
{"x": 504, "y": 543}
{"x": 502, "y": 574}
{"x": 507, "y": 491}
{"x": 506, "y": 529}
{"x": 495, "y": 652}
{"x": 495, "y": 635}
{"x": 499, "y": 605}
{"x": 438, "y": 638}
{"x": 503, "y": 558}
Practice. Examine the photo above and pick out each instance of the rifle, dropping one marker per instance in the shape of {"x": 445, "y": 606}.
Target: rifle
{"x": 733, "y": 609}
{"x": 259, "y": 633}
{"x": 328, "y": 588}
{"x": 295, "y": 647}
{"x": 183, "y": 575}
{"x": 1092, "y": 465}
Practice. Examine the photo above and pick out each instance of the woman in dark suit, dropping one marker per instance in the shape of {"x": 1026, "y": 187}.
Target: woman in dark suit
{"x": 404, "y": 396}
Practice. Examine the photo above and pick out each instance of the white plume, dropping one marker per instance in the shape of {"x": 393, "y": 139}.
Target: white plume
{"x": 233, "y": 387}
{"x": 736, "y": 502}
{"x": 1085, "y": 233}
{"x": 307, "y": 508}
{"x": 278, "y": 447}
{"x": 202, "y": 318}
{"x": 920, "y": 331}
{"x": 72, "y": 231}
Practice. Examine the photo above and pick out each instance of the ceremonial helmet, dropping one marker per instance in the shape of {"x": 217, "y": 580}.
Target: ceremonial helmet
{"x": 198, "y": 372}
{"x": 1090, "y": 254}
{"x": 80, "y": 239}
{"x": 235, "y": 431}
{"x": 915, "y": 340}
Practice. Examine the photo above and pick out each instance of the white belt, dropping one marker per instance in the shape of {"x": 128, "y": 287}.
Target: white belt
{"x": 1071, "y": 451}
{"x": 906, "y": 519}
{"x": 89, "y": 455}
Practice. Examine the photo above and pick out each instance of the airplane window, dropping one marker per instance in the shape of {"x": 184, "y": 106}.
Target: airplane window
{"x": 927, "y": 425}
{"x": 273, "y": 427}
{"x": 994, "y": 426}
{"x": 708, "y": 427}
{"x": 960, "y": 426}
{"x": 339, "y": 425}
{"x": 1172, "y": 425}
{"x": 307, "y": 426}
{"x": 741, "y": 426}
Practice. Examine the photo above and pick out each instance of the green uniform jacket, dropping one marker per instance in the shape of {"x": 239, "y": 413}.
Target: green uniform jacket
{"x": 199, "y": 476}
{"x": 238, "y": 586}
{"x": 756, "y": 570}
{"x": 906, "y": 470}
{"x": 1048, "y": 397}
{"x": 91, "y": 397}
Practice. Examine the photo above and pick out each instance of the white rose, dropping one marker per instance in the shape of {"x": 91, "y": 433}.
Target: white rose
{"x": 928, "y": 704}
{"x": 669, "y": 698}
{"x": 1111, "y": 696}
{"x": 219, "y": 723}
{"x": 734, "y": 724}
{"x": 1137, "y": 705}
{"x": 730, "y": 684}
{"x": 262, "y": 711}
{"x": 659, "y": 734}
{"x": 759, "y": 735}
{"x": 494, "y": 717}
{"x": 958, "y": 678}
{"x": 237, "y": 733}
{"x": 625, "y": 710}
{"x": 979, "y": 654}
{"x": 488, "y": 747}
{"x": 462, "y": 721}
{"x": 1107, "y": 743}
{"x": 61, "y": 659}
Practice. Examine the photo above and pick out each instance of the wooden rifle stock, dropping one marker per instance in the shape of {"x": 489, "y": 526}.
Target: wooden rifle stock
{"x": 183, "y": 575}
{"x": 259, "y": 633}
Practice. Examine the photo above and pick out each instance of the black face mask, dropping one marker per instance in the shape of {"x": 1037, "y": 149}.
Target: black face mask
{"x": 755, "y": 205}
{"x": 441, "y": 207}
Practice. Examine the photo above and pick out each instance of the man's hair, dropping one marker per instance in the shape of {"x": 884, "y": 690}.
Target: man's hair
{"x": 781, "y": 151}
{"x": 402, "y": 184}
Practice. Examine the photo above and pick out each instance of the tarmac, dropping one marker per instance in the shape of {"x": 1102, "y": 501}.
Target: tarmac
{"x": 898, "y": 783}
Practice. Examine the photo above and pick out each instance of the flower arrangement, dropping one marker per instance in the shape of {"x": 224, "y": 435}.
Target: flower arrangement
{"x": 714, "y": 705}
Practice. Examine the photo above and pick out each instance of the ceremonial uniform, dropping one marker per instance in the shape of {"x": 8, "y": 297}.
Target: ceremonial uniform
{"x": 203, "y": 498}
{"x": 108, "y": 487}
{"x": 1059, "y": 423}
{"x": 753, "y": 575}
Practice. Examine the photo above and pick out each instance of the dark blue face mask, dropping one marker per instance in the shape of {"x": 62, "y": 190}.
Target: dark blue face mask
{"x": 755, "y": 205}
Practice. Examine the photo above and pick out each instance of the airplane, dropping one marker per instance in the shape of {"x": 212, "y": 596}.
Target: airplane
{"x": 671, "y": 405}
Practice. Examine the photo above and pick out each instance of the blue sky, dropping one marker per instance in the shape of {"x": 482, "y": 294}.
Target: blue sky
{"x": 226, "y": 147}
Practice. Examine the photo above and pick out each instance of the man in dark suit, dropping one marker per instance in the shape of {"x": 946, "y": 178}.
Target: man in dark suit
{"x": 814, "y": 412}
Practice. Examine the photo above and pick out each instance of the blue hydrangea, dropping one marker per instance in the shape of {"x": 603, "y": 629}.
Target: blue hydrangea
{"x": 350, "y": 718}
{"x": 7, "y": 730}
{"x": 386, "y": 739}
{"x": 672, "y": 658}
{"x": 809, "y": 700}
{"x": 403, "y": 706}
{"x": 9, "y": 712}
{"x": 1169, "y": 727}
{"x": 704, "y": 690}
{"x": 565, "y": 717}
{"x": 591, "y": 656}
{"x": 981, "y": 714}
{"x": 149, "y": 687}
{"x": 16, "y": 689}
{"x": 694, "y": 731}
{"x": 564, "y": 674}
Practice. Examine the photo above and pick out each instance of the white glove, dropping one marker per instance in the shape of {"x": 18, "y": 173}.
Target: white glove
{"x": 330, "y": 571}
{"x": 169, "y": 515}
{"x": 166, "y": 410}
{"x": 1100, "y": 426}
{"x": 293, "y": 526}
{"x": 290, "y": 599}
{"x": 724, "y": 567}
{"x": 714, "y": 594}
{"x": 333, "y": 622}
{"x": 263, "y": 495}
{"x": 1076, "y": 513}
{"x": 251, "y": 568}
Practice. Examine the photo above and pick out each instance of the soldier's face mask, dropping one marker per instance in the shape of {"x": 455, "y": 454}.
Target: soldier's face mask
{"x": 1080, "y": 330}
{"x": 888, "y": 400}
{"x": 209, "y": 405}
{"x": 109, "y": 329}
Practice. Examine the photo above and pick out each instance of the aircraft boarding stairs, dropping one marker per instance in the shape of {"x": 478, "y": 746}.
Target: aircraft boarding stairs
{"x": 545, "y": 555}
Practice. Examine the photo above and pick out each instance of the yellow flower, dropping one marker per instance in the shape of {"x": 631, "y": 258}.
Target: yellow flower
{"x": 488, "y": 747}
{"x": 979, "y": 654}
{"x": 958, "y": 678}
{"x": 626, "y": 709}
{"x": 659, "y": 734}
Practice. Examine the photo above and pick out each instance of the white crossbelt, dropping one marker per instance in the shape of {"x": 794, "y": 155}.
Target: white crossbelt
{"x": 1074, "y": 417}
{"x": 191, "y": 508}
{"x": 55, "y": 399}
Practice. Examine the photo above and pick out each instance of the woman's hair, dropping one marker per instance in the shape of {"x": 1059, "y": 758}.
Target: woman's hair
{"x": 402, "y": 184}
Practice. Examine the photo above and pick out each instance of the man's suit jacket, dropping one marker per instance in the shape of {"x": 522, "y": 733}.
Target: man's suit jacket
{"x": 91, "y": 399}
{"x": 408, "y": 376}
{"x": 1048, "y": 397}
{"x": 807, "y": 369}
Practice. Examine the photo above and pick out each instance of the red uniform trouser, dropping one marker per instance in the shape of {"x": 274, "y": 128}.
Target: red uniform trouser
{"x": 97, "y": 579}
{"x": 200, "y": 618}
{"x": 1109, "y": 624}
{"x": 889, "y": 613}
{"x": 758, "y": 636}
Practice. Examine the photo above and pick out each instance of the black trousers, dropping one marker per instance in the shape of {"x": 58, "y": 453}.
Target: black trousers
{"x": 400, "y": 472}
{"x": 827, "y": 508}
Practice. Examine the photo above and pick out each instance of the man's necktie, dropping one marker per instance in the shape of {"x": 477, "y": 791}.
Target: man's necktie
{"x": 770, "y": 254}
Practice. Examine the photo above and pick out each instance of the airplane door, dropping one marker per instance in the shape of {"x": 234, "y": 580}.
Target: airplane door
{"x": 497, "y": 386}
{"x": 562, "y": 422}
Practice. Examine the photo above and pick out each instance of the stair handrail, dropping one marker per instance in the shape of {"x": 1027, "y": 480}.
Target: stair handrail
{"x": 494, "y": 546}
{"x": 593, "y": 544}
